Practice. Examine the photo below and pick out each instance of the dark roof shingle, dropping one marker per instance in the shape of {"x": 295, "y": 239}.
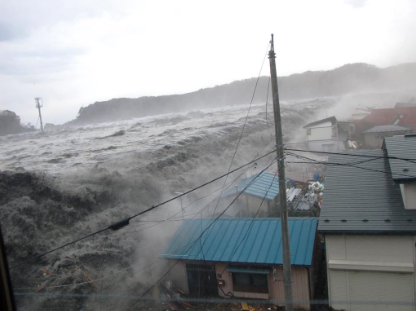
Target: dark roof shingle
{"x": 402, "y": 146}
{"x": 363, "y": 197}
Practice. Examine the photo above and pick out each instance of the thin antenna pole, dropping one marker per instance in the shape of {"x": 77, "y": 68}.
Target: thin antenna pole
{"x": 287, "y": 269}
{"x": 39, "y": 105}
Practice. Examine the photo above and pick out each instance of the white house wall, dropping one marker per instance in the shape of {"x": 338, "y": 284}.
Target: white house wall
{"x": 370, "y": 248}
{"x": 409, "y": 195}
{"x": 362, "y": 269}
{"x": 326, "y": 145}
{"x": 319, "y": 133}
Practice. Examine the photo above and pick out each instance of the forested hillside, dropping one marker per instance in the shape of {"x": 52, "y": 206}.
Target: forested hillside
{"x": 351, "y": 78}
{"x": 10, "y": 123}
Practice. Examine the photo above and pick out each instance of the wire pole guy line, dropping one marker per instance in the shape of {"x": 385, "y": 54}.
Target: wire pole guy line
{"x": 287, "y": 269}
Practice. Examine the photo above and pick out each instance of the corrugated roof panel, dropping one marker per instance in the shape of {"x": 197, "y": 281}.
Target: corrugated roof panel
{"x": 260, "y": 230}
{"x": 223, "y": 248}
{"x": 295, "y": 234}
{"x": 258, "y": 188}
{"x": 264, "y": 253}
{"x": 243, "y": 253}
{"x": 242, "y": 241}
{"x": 363, "y": 197}
{"x": 304, "y": 248}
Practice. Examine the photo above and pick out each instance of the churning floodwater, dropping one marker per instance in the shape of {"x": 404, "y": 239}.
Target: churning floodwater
{"x": 72, "y": 181}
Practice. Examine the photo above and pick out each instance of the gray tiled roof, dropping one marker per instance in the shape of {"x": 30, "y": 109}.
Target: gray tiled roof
{"x": 387, "y": 128}
{"x": 364, "y": 198}
{"x": 402, "y": 146}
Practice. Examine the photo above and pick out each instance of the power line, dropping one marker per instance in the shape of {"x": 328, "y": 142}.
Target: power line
{"x": 122, "y": 223}
{"x": 350, "y": 165}
{"x": 267, "y": 99}
{"x": 60, "y": 247}
{"x": 120, "y": 271}
{"x": 201, "y": 186}
{"x": 200, "y": 198}
{"x": 222, "y": 187}
{"x": 215, "y": 300}
{"x": 155, "y": 223}
{"x": 347, "y": 163}
{"x": 181, "y": 248}
{"x": 251, "y": 224}
{"x": 245, "y": 122}
{"x": 354, "y": 155}
{"x": 195, "y": 214}
{"x": 207, "y": 228}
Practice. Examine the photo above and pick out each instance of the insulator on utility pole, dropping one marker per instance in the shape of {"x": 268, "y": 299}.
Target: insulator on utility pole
{"x": 287, "y": 269}
{"x": 39, "y": 105}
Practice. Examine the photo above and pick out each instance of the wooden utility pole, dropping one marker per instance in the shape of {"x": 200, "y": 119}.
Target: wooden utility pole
{"x": 7, "y": 302}
{"x": 39, "y": 105}
{"x": 287, "y": 269}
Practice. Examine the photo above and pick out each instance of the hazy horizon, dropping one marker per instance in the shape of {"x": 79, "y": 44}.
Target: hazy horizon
{"x": 73, "y": 54}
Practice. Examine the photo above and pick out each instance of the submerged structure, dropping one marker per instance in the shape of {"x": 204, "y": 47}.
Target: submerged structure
{"x": 328, "y": 134}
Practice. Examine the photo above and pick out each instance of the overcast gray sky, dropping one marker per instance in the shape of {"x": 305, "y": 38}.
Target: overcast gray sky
{"x": 73, "y": 53}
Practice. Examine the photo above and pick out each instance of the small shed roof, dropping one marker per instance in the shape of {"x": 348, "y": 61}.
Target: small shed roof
{"x": 253, "y": 241}
{"x": 402, "y": 146}
{"x": 388, "y": 128}
{"x": 259, "y": 187}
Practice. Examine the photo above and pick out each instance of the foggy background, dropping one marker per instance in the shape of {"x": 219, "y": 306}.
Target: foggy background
{"x": 152, "y": 97}
{"x": 75, "y": 53}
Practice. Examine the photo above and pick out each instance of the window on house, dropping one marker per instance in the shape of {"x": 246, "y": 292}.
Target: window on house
{"x": 308, "y": 132}
{"x": 253, "y": 283}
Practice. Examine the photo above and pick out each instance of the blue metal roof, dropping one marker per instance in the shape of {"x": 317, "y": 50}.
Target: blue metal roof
{"x": 242, "y": 240}
{"x": 258, "y": 188}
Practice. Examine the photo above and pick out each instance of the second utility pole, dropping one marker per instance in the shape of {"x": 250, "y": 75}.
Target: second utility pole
{"x": 287, "y": 269}
{"x": 39, "y": 105}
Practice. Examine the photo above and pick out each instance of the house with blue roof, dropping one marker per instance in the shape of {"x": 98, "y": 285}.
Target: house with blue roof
{"x": 259, "y": 196}
{"x": 242, "y": 258}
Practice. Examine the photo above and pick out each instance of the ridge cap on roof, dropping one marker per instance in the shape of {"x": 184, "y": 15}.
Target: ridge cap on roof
{"x": 332, "y": 119}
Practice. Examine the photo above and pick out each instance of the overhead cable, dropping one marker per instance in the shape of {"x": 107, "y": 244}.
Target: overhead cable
{"x": 355, "y": 155}
{"x": 245, "y": 121}
{"x": 350, "y": 165}
{"x": 124, "y": 222}
{"x": 207, "y": 228}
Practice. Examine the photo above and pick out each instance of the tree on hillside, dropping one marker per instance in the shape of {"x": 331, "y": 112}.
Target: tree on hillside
{"x": 10, "y": 123}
